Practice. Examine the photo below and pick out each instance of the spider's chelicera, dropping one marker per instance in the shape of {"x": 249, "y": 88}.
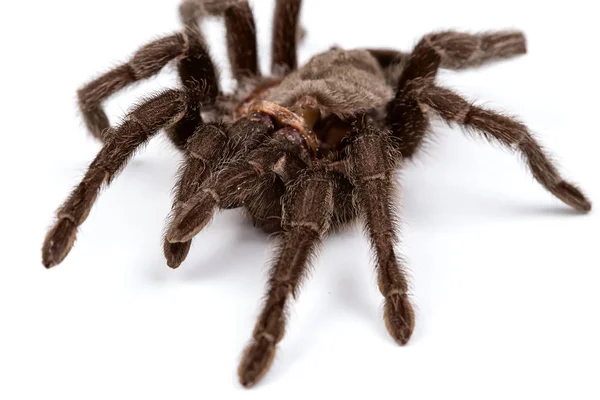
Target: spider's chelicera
{"x": 303, "y": 151}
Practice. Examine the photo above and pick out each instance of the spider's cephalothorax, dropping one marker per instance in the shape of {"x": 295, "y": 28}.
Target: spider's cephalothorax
{"x": 303, "y": 151}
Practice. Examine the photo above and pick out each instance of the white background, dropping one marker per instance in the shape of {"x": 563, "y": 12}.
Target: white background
{"x": 505, "y": 276}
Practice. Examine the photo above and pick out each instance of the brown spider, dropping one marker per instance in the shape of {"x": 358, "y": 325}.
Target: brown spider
{"x": 303, "y": 152}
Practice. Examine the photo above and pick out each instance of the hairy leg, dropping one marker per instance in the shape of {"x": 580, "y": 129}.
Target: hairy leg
{"x": 240, "y": 27}
{"x": 371, "y": 164}
{"x": 140, "y": 125}
{"x": 308, "y": 208}
{"x": 508, "y": 132}
{"x": 460, "y": 50}
{"x": 241, "y": 41}
{"x": 147, "y": 61}
{"x": 445, "y": 49}
{"x": 463, "y": 50}
{"x": 285, "y": 36}
{"x": 406, "y": 119}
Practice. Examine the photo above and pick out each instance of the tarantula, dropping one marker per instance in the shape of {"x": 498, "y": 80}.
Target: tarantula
{"x": 303, "y": 151}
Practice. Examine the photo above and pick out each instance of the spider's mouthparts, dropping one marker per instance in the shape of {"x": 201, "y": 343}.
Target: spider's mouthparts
{"x": 303, "y": 121}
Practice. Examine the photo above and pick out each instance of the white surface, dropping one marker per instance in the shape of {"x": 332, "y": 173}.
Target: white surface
{"x": 505, "y": 277}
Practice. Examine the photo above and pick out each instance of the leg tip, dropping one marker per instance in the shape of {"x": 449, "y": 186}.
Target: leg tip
{"x": 191, "y": 220}
{"x": 58, "y": 243}
{"x": 572, "y": 196}
{"x": 176, "y": 253}
{"x": 256, "y": 361}
{"x": 399, "y": 317}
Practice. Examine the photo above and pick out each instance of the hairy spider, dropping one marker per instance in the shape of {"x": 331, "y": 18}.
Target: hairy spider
{"x": 302, "y": 151}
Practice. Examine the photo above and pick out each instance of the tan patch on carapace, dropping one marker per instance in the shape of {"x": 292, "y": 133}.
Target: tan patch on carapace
{"x": 261, "y": 92}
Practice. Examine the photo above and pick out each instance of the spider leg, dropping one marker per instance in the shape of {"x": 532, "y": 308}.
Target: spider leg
{"x": 285, "y": 36}
{"x": 241, "y": 31}
{"x": 508, "y": 132}
{"x": 463, "y": 50}
{"x": 460, "y": 50}
{"x": 147, "y": 61}
{"x": 239, "y": 182}
{"x": 308, "y": 208}
{"x": 371, "y": 162}
{"x": 200, "y": 78}
{"x": 140, "y": 126}
{"x": 210, "y": 146}
{"x": 408, "y": 122}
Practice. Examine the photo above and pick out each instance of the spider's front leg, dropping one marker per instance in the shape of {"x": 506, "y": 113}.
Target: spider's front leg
{"x": 371, "y": 162}
{"x": 142, "y": 124}
{"x": 307, "y": 211}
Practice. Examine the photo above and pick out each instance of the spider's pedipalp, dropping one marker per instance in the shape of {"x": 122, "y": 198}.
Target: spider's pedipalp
{"x": 204, "y": 150}
{"x": 233, "y": 185}
{"x": 371, "y": 162}
{"x": 142, "y": 124}
{"x": 508, "y": 132}
{"x": 308, "y": 209}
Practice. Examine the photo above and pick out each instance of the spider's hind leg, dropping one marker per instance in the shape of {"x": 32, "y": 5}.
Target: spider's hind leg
{"x": 448, "y": 49}
{"x": 508, "y": 132}
{"x": 286, "y": 35}
{"x": 240, "y": 27}
{"x": 458, "y": 50}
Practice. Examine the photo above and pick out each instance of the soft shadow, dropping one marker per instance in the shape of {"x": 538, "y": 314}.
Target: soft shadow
{"x": 225, "y": 248}
{"x": 243, "y": 245}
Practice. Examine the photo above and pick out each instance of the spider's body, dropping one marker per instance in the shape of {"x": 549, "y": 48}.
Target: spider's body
{"x": 327, "y": 92}
{"x": 303, "y": 151}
